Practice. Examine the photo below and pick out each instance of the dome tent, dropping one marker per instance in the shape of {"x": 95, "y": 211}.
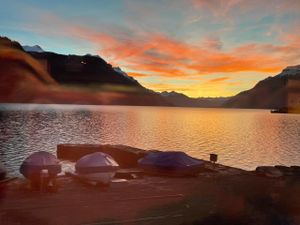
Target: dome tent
{"x": 39, "y": 161}
{"x": 98, "y": 167}
{"x": 171, "y": 163}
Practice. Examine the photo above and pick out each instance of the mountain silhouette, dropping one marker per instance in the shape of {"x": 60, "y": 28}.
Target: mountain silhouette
{"x": 35, "y": 48}
{"x": 271, "y": 93}
{"x": 47, "y": 77}
{"x": 181, "y": 100}
{"x": 52, "y": 78}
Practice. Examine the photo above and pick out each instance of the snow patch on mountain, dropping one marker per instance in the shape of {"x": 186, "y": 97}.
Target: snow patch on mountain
{"x": 290, "y": 71}
{"x": 121, "y": 72}
{"x": 35, "y": 48}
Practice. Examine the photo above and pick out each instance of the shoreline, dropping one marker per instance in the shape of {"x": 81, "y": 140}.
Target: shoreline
{"x": 124, "y": 105}
{"x": 217, "y": 195}
{"x": 156, "y": 200}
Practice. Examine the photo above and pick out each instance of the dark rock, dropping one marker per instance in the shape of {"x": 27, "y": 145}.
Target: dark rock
{"x": 125, "y": 156}
{"x": 285, "y": 169}
{"x": 268, "y": 171}
{"x": 2, "y": 173}
{"x": 295, "y": 169}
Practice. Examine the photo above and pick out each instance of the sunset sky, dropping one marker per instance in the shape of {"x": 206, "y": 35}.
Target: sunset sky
{"x": 196, "y": 47}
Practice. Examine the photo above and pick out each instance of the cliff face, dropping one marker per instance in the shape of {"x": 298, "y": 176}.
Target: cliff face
{"x": 272, "y": 92}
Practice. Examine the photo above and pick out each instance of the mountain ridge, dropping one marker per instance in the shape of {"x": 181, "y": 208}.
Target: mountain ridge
{"x": 88, "y": 76}
{"x": 273, "y": 92}
{"x": 32, "y": 78}
{"x": 181, "y": 100}
{"x": 34, "y": 48}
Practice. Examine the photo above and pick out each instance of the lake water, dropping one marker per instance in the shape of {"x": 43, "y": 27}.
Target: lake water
{"x": 241, "y": 138}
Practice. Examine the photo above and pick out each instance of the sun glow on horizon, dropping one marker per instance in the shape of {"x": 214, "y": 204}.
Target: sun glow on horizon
{"x": 196, "y": 47}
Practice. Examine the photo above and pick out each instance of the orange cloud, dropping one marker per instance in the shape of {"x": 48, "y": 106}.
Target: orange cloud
{"x": 217, "y": 80}
{"x": 180, "y": 59}
{"x": 197, "y": 89}
{"x": 133, "y": 74}
{"x": 159, "y": 54}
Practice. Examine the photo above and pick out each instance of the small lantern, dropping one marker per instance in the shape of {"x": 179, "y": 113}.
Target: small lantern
{"x": 213, "y": 158}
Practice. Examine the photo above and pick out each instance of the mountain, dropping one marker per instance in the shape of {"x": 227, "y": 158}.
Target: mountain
{"x": 6, "y": 43}
{"x": 44, "y": 77}
{"x": 21, "y": 77}
{"x": 181, "y": 100}
{"x": 120, "y": 71}
{"x": 85, "y": 70}
{"x": 291, "y": 72}
{"x": 35, "y": 48}
{"x": 280, "y": 91}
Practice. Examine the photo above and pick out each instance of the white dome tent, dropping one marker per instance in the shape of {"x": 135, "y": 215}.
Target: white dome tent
{"x": 97, "y": 167}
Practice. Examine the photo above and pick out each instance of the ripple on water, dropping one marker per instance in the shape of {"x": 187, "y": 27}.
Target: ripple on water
{"x": 241, "y": 138}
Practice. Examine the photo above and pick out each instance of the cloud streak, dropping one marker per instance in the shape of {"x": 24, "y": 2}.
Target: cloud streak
{"x": 150, "y": 52}
{"x": 159, "y": 54}
{"x": 217, "y": 80}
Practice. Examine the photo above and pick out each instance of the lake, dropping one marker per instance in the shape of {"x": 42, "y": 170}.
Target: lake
{"x": 242, "y": 138}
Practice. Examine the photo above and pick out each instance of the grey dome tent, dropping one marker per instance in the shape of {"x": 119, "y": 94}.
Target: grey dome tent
{"x": 171, "y": 163}
{"x": 38, "y": 161}
{"x": 98, "y": 167}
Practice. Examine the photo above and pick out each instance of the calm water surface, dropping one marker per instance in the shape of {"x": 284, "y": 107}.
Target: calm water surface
{"x": 241, "y": 138}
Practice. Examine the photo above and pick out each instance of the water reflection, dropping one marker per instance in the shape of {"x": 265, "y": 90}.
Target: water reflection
{"x": 243, "y": 138}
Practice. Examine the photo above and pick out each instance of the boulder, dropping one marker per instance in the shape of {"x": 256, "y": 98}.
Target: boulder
{"x": 125, "y": 156}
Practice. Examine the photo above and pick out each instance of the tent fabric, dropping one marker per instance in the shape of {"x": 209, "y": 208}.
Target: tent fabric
{"x": 172, "y": 161}
{"x": 2, "y": 172}
{"x": 38, "y": 161}
{"x": 96, "y": 162}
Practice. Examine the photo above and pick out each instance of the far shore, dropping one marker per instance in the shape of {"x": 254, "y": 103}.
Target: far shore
{"x": 137, "y": 105}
